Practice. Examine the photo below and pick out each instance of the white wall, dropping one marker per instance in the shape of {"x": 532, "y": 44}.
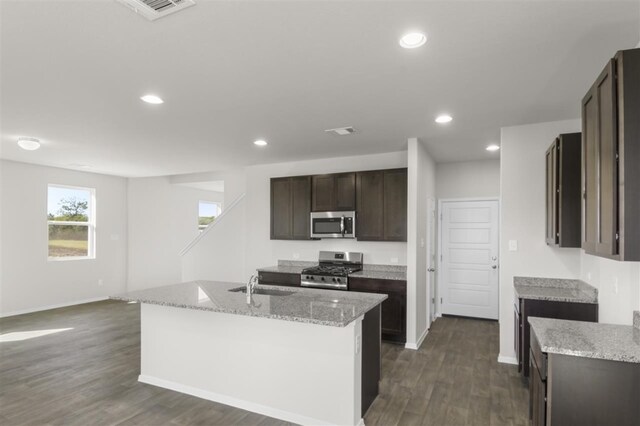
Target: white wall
{"x": 522, "y": 217}
{"x": 219, "y": 255}
{"x": 421, "y": 187}
{"x": 618, "y": 285}
{"x": 468, "y": 179}
{"x": 28, "y": 281}
{"x": 163, "y": 219}
{"x": 262, "y": 251}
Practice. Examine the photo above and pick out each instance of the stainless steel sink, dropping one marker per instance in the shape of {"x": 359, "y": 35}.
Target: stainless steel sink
{"x": 263, "y": 291}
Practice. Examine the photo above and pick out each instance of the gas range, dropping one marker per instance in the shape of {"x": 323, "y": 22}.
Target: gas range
{"x": 332, "y": 271}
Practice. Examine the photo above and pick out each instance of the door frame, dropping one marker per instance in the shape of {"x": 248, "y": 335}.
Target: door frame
{"x": 439, "y": 245}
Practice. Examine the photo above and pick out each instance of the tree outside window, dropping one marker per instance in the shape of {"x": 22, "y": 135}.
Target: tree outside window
{"x": 207, "y": 213}
{"x": 71, "y": 222}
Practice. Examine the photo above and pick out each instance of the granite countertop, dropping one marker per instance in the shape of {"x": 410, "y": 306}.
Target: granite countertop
{"x": 587, "y": 339}
{"x": 324, "y": 307}
{"x": 284, "y": 269}
{"x": 554, "y": 289}
{"x": 380, "y": 274}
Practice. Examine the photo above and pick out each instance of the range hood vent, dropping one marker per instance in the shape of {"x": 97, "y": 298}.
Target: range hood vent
{"x": 154, "y": 9}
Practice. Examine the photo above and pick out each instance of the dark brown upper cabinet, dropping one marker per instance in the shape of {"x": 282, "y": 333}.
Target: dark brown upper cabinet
{"x": 563, "y": 191}
{"x": 290, "y": 208}
{"x": 611, "y": 160}
{"x": 381, "y": 205}
{"x": 334, "y": 192}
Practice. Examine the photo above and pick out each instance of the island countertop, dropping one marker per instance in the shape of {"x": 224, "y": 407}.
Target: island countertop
{"x": 323, "y": 307}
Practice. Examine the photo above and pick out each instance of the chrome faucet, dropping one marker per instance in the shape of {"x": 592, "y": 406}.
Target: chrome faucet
{"x": 251, "y": 284}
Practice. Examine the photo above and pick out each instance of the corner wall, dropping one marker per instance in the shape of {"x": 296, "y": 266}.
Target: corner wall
{"x": 163, "y": 219}
{"x": 30, "y": 282}
{"x": 468, "y": 179}
{"x": 421, "y": 187}
{"x": 522, "y": 217}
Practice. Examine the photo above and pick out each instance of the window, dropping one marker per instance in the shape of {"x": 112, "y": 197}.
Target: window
{"x": 207, "y": 213}
{"x": 71, "y": 222}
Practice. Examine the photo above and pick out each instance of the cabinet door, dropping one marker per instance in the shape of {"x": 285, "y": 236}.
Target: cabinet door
{"x": 552, "y": 194}
{"x": 322, "y": 193}
{"x": 301, "y": 208}
{"x": 344, "y": 191}
{"x": 394, "y": 309}
{"x": 395, "y": 205}
{"x": 281, "y": 209}
{"x": 370, "y": 201}
{"x": 600, "y": 166}
{"x": 517, "y": 335}
{"x": 537, "y": 397}
{"x": 607, "y": 149}
{"x": 394, "y": 317}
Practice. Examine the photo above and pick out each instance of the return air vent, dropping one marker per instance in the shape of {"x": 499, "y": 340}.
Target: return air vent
{"x": 342, "y": 131}
{"x": 154, "y": 9}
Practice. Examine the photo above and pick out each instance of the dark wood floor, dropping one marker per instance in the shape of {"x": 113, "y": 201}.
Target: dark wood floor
{"x": 88, "y": 376}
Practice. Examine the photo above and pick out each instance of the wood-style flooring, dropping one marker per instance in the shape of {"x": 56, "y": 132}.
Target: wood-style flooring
{"x": 87, "y": 375}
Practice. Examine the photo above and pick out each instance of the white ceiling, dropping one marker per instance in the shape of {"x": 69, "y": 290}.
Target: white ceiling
{"x": 231, "y": 72}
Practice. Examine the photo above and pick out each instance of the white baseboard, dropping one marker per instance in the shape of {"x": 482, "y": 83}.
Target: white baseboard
{"x": 56, "y": 306}
{"x": 507, "y": 360}
{"x": 234, "y": 402}
{"x": 416, "y": 346}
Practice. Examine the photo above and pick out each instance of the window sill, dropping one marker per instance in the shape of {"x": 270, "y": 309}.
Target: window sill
{"x": 64, "y": 259}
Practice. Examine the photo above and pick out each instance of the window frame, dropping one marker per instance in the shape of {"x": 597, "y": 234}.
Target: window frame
{"x": 90, "y": 224}
{"x": 218, "y": 203}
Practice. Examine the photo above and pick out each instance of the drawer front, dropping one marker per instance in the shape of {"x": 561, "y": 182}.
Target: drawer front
{"x": 373, "y": 285}
{"x": 539, "y": 357}
{"x": 279, "y": 278}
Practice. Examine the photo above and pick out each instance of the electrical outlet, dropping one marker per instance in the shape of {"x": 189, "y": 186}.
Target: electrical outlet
{"x": 615, "y": 285}
{"x": 100, "y": 282}
{"x": 295, "y": 256}
{"x": 513, "y": 245}
{"x": 394, "y": 260}
{"x": 588, "y": 276}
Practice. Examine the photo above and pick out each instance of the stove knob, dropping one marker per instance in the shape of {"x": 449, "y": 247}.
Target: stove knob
{"x": 312, "y": 278}
{"x": 322, "y": 278}
{"x": 334, "y": 280}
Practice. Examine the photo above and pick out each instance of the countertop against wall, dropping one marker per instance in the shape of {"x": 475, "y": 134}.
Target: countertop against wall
{"x": 587, "y": 339}
{"x": 379, "y": 272}
{"x": 554, "y": 289}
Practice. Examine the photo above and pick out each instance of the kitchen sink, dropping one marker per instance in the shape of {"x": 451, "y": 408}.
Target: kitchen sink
{"x": 263, "y": 291}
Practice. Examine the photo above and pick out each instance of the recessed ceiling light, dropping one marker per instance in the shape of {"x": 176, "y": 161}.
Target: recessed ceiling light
{"x": 152, "y": 99}
{"x": 260, "y": 142}
{"x": 444, "y": 118}
{"x": 413, "y": 40}
{"x": 493, "y": 147}
{"x": 29, "y": 144}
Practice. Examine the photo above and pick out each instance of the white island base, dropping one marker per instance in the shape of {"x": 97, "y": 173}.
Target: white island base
{"x": 294, "y": 371}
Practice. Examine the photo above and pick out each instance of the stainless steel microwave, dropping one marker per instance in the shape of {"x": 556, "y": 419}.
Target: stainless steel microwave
{"x": 333, "y": 224}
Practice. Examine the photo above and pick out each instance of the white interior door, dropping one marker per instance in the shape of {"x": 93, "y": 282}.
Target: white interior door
{"x": 431, "y": 259}
{"x": 469, "y": 258}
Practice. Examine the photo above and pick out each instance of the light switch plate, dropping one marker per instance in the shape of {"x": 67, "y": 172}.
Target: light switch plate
{"x": 513, "y": 245}
{"x": 394, "y": 260}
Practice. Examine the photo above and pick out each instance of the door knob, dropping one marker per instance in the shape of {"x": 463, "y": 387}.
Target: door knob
{"x": 431, "y": 270}
{"x": 494, "y": 266}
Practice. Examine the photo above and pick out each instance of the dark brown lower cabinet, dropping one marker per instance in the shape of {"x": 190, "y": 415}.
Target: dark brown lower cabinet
{"x": 573, "y": 390}
{"x": 394, "y": 309}
{"x": 537, "y": 395}
{"x": 279, "y": 278}
{"x": 546, "y": 309}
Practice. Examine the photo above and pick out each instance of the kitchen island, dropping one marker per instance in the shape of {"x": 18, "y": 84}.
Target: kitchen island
{"x": 302, "y": 355}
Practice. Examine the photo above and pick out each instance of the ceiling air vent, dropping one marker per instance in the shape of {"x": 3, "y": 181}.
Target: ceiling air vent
{"x": 342, "y": 131}
{"x": 154, "y": 9}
